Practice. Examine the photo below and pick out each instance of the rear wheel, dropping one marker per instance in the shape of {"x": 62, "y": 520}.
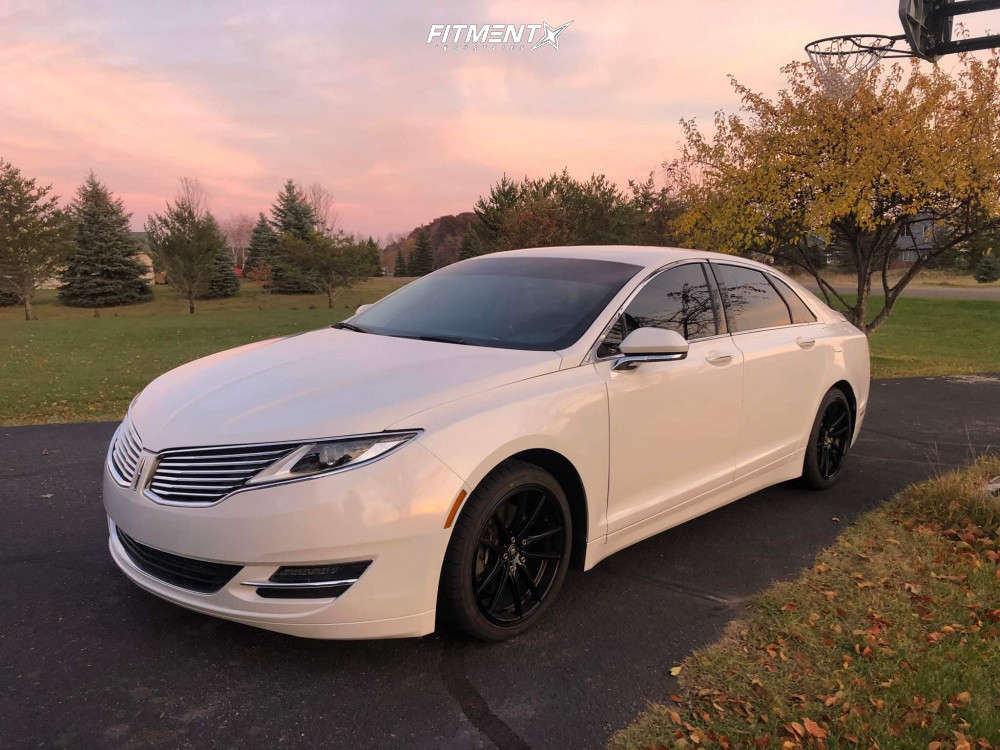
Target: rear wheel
{"x": 829, "y": 441}
{"x": 509, "y": 553}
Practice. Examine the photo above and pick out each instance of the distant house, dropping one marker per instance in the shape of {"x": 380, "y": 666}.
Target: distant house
{"x": 916, "y": 239}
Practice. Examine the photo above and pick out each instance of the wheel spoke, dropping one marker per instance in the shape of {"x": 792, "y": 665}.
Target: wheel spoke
{"x": 836, "y": 422}
{"x": 504, "y": 532}
{"x": 542, "y": 555}
{"x": 515, "y": 522}
{"x": 534, "y": 516}
{"x": 499, "y": 592}
{"x": 489, "y": 577}
{"x": 541, "y": 535}
{"x": 531, "y": 584}
{"x": 516, "y": 592}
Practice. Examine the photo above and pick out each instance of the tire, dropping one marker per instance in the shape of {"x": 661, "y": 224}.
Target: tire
{"x": 512, "y": 539}
{"x": 829, "y": 441}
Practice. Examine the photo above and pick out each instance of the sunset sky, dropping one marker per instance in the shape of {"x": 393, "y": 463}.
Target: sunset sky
{"x": 243, "y": 95}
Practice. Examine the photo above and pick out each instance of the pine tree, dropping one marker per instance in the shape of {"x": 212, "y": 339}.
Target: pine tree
{"x": 291, "y": 215}
{"x": 224, "y": 282}
{"x": 422, "y": 261}
{"x": 104, "y": 269}
{"x": 400, "y": 268}
{"x": 469, "y": 247}
{"x": 263, "y": 243}
{"x": 374, "y": 252}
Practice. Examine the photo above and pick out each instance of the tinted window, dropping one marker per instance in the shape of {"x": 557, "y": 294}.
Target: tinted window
{"x": 512, "y": 303}
{"x": 679, "y": 299}
{"x": 800, "y": 313}
{"x": 751, "y": 302}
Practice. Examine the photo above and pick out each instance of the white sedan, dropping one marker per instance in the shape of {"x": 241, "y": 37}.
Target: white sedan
{"x": 450, "y": 451}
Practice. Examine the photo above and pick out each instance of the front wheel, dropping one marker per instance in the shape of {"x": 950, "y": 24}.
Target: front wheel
{"x": 509, "y": 553}
{"x": 829, "y": 441}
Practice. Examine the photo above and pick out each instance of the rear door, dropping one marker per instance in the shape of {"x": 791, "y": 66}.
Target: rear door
{"x": 783, "y": 364}
{"x": 673, "y": 425}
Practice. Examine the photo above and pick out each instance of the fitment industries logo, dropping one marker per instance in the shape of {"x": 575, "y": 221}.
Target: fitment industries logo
{"x": 495, "y": 36}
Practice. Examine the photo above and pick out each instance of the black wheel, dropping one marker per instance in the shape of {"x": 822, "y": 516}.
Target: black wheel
{"x": 829, "y": 441}
{"x": 508, "y": 554}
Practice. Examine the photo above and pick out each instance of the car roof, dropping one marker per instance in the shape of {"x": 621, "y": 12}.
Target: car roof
{"x": 640, "y": 255}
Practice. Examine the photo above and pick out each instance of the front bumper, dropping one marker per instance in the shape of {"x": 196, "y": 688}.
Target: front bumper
{"x": 391, "y": 512}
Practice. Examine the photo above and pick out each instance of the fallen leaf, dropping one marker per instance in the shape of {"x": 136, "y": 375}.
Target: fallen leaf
{"x": 47, "y": 496}
{"x": 814, "y": 729}
{"x": 674, "y": 671}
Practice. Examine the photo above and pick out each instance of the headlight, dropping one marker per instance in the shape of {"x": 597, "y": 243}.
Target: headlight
{"x": 331, "y": 455}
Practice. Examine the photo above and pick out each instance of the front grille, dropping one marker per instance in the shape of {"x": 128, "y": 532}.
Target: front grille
{"x": 126, "y": 450}
{"x": 205, "y": 475}
{"x": 185, "y": 572}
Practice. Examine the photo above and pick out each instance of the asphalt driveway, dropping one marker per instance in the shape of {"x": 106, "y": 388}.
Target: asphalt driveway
{"x": 89, "y": 660}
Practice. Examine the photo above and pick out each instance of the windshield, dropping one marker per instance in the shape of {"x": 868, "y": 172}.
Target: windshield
{"x": 512, "y": 303}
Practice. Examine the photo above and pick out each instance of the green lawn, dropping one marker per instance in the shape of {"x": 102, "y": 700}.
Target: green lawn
{"x": 73, "y": 364}
{"x": 936, "y": 337}
{"x": 891, "y": 640}
{"x": 76, "y": 364}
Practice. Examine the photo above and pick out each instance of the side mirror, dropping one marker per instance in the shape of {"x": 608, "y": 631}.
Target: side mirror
{"x": 362, "y": 308}
{"x": 650, "y": 345}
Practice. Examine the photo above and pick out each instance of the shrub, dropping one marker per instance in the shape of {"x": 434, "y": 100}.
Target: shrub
{"x": 987, "y": 269}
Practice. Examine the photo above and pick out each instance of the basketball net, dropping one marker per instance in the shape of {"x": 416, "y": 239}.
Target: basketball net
{"x": 843, "y": 61}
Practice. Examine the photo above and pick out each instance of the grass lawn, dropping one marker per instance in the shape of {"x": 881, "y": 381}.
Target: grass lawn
{"x": 75, "y": 364}
{"x": 891, "y": 640}
{"x": 936, "y": 337}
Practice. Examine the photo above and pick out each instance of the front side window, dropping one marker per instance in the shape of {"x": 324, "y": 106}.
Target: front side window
{"x": 679, "y": 299}
{"x": 519, "y": 302}
{"x": 750, "y": 299}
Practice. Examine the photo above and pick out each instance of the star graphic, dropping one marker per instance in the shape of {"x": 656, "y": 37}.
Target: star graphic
{"x": 551, "y": 35}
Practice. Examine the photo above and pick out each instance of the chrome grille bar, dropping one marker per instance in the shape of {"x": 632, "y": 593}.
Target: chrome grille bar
{"x": 126, "y": 450}
{"x": 205, "y": 475}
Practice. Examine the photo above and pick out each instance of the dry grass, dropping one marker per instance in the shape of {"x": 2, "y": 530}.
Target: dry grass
{"x": 891, "y": 640}
{"x": 932, "y": 277}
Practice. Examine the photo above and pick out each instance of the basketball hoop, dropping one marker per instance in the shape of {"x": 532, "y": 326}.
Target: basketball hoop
{"x": 842, "y": 61}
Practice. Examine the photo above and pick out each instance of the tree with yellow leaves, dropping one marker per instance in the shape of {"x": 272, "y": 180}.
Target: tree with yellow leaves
{"x": 914, "y": 144}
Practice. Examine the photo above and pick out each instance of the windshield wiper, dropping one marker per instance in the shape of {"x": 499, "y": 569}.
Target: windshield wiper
{"x": 440, "y": 339}
{"x": 350, "y": 327}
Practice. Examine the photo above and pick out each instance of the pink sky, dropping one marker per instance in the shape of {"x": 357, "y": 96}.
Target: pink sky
{"x": 243, "y": 95}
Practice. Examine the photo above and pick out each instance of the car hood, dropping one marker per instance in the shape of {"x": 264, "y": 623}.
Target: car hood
{"x": 324, "y": 383}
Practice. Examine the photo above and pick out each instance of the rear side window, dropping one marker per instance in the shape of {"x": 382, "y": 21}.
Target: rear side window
{"x": 800, "y": 313}
{"x": 679, "y": 299}
{"x": 751, "y": 302}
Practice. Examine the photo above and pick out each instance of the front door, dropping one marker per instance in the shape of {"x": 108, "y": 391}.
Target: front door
{"x": 673, "y": 425}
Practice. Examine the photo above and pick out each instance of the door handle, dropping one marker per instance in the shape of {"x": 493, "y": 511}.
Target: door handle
{"x": 806, "y": 342}
{"x": 718, "y": 358}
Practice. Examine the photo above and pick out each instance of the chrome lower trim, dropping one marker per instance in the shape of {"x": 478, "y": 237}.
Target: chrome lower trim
{"x": 300, "y": 584}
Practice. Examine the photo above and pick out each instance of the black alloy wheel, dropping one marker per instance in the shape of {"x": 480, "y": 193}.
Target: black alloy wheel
{"x": 509, "y": 552}
{"x": 829, "y": 441}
